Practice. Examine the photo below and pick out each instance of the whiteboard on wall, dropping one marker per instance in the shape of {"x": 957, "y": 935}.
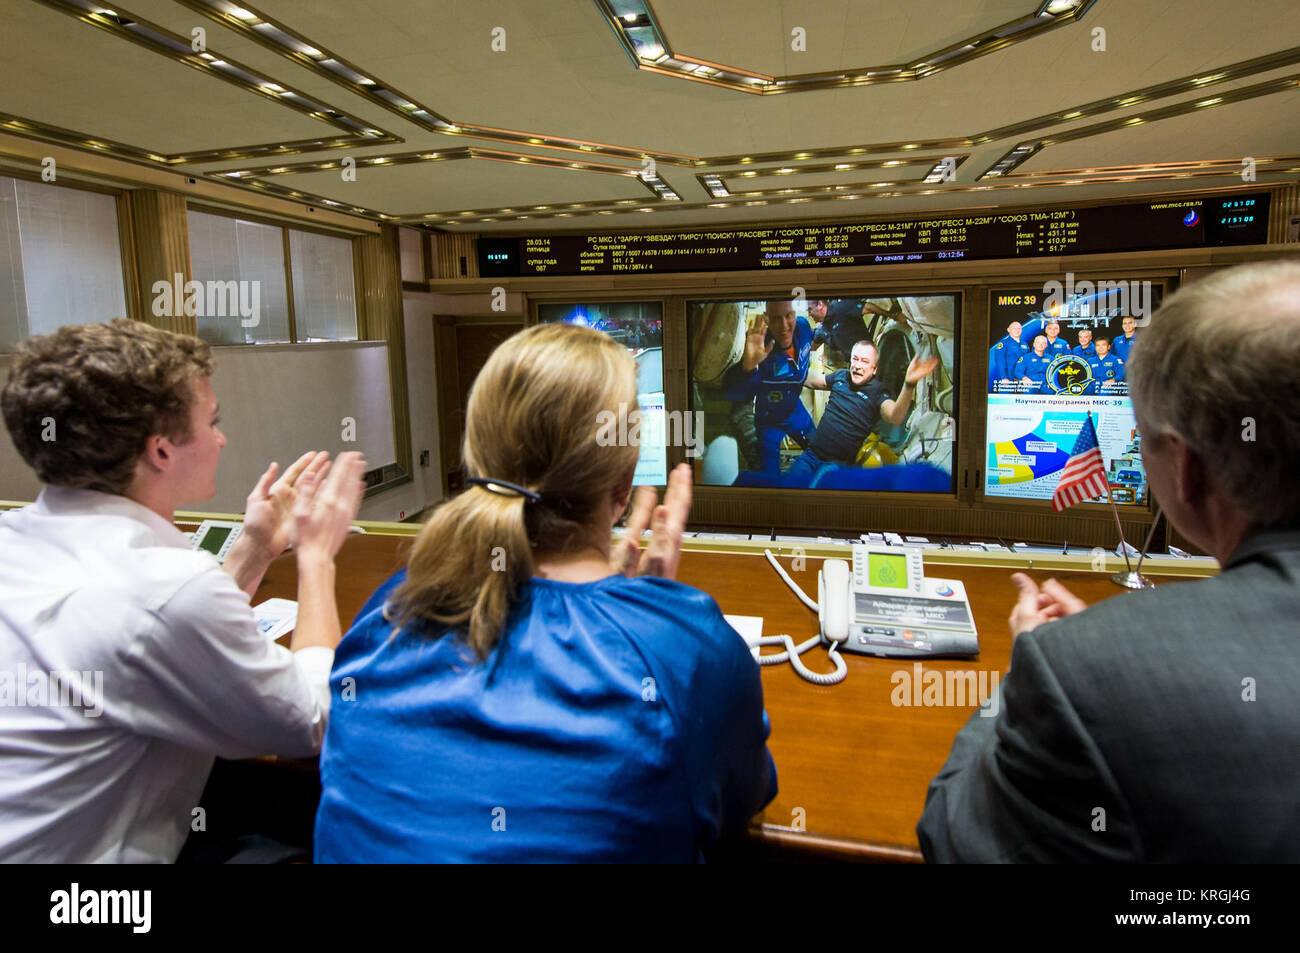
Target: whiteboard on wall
{"x": 277, "y": 402}
{"x": 281, "y": 400}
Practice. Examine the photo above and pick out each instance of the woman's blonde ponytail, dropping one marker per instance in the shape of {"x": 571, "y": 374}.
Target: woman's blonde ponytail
{"x": 533, "y": 420}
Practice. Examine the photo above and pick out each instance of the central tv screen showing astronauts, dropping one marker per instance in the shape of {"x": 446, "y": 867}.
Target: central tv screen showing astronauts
{"x": 850, "y": 393}
{"x": 1054, "y": 360}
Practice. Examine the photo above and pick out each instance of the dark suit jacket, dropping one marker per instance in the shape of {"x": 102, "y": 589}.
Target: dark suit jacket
{"x": 1175, "y": 711}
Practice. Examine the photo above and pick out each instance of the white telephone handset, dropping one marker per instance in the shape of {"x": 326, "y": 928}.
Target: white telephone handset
{"x": 833, "y": 594}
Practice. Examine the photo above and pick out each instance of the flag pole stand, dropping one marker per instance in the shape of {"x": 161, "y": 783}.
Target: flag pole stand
{"x": 1130, "y": 578}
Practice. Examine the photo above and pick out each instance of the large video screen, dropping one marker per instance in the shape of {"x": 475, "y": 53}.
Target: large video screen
{"x": 638, "y": 326}
{"x": 849, "y": 393}
{"x": 1055, "y": 358}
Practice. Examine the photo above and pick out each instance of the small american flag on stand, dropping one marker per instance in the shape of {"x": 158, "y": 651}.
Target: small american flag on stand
{"x": 1084, "y": 476}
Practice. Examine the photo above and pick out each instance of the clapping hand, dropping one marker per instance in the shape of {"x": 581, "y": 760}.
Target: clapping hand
{"x": 666, "y": 522}
{"x": 1037, "y": 606}
{"x": 328, "y": 500}
{"x": 268, "y": 515}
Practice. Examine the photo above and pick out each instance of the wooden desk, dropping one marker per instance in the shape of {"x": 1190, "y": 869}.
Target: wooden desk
{"x": 850, "y": 764}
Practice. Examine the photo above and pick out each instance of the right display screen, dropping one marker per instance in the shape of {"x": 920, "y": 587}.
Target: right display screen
{"x": 1056, "y": 357}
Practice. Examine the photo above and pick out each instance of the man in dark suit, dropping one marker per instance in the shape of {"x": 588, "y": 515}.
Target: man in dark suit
{"x": 1164, "y": 725}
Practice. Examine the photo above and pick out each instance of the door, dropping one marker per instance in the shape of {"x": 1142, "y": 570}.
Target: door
{"x": 461, "y": 348}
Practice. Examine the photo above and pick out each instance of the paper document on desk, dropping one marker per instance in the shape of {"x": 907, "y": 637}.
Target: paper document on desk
{"x": 275, "y": 617}
{"x": 750, "y": 628}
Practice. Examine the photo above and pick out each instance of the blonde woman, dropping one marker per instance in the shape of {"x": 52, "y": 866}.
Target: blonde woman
{"x": 523, "y": 691}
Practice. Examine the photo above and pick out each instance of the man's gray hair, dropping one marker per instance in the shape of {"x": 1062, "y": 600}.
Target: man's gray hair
{"x": 1219, "y": 366}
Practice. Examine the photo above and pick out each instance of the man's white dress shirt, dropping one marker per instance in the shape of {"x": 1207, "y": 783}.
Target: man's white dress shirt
{"x": 127, "y": 661}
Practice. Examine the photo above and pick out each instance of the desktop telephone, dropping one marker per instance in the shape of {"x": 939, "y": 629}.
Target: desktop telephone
{"x": 886, "y": 607}
{"x": 882, "y": 604}
{"x": 216, "y": 537}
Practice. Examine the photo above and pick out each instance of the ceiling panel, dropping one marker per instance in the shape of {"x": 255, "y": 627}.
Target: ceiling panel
{"x": 1256, "y": 127}
{"x": 462, "y": 184}
{"x": 574, "y": 80}
{"x": 79, "y": 77}
{"x": 838, "y": 34}
{"x": 563, "y": 74}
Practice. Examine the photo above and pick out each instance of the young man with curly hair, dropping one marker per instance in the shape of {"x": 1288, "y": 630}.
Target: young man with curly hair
{"x": 127, "y": 660}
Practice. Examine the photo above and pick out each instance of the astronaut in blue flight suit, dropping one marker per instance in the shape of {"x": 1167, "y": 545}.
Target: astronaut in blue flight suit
{"x": 1123, "y": 344}
{"x": 1049, "y": 326}
{"x": 1004, "y": 354}
{"x": 1107, "y": 371}
{"x": 772, "y": 374}
{"x": 1031, "y": 369}
{"x": 1056, "y": 345}
{"x": 1085, "y": 348}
